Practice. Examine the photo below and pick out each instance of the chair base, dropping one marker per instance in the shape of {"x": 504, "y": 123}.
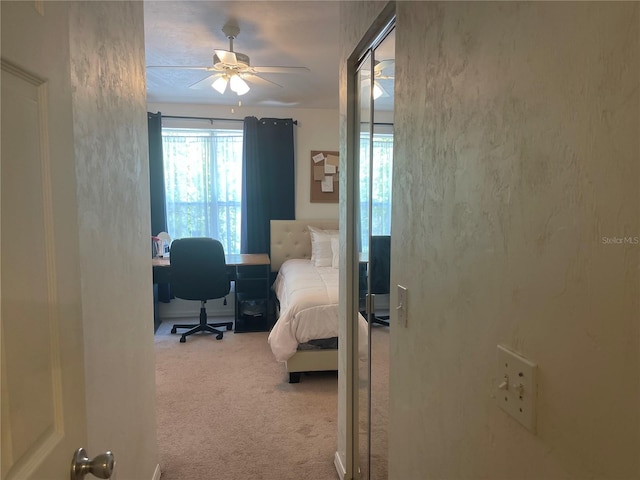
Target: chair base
{"x": 381, "y": 320}
{"x": 203, "y": 326}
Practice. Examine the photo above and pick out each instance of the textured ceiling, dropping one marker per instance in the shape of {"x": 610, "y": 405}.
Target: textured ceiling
{"x": 291, "y": 33}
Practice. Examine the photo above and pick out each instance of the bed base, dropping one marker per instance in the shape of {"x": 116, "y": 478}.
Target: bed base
{"x": 311, "y": 361}
{"x": 290, "y": 239}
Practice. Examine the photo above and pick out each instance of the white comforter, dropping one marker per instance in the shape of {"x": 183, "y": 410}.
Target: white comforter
{"x": 308, "y": 298}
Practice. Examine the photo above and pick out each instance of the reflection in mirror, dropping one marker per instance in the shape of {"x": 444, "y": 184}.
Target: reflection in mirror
{"x": 379, "y": 257}
{"x": 363, "y": 227}
{"x": 374, "y": 162}
{"x": 375, "y": 77}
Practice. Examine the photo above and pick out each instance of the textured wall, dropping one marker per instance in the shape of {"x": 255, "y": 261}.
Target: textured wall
{"x": 517, "y": 151}
{"x": 110, "y": 130}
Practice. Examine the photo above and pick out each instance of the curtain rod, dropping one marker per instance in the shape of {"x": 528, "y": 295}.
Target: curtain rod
{"x": 212, "y": 119}
{"x": 378, "y": 123}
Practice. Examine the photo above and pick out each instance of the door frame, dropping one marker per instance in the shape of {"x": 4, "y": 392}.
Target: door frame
{"x": 376, "y": 31}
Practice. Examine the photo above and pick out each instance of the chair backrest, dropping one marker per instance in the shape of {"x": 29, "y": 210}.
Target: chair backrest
{"x": 198, "y": 269}
{"x": 380, "y": 268}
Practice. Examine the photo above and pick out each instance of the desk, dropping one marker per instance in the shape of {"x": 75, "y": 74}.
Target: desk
{"x": 251, "y": 274}
{"x": 232, "y": 260}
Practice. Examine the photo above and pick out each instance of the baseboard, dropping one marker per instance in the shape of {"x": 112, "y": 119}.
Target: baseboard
{"x": 157, "y": 473}
{"x": 337, "y": 461}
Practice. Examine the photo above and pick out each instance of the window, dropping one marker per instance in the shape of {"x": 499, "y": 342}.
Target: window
{"x": 380, "y": 173}
{"x": 203, "y": 184}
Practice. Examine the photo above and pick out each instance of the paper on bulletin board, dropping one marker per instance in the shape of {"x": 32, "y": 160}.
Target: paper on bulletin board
{"x": 325, "y": 176}
{"x": 332, "y": 160}
{"x": 318, "y": 158}
{"x": 330, "y": 169}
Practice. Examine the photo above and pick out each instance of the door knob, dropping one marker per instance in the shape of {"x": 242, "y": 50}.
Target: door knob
{"x": 101, "y": 466}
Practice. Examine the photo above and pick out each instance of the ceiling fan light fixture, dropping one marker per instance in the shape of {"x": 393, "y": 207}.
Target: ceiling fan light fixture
{"x": 238, "y": 85}
{"x": 377, "y": 91}
{"x": 220, "y": 84}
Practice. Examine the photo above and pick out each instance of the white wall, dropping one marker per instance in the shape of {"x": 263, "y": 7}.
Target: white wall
{"x": 111, "y": 150}
{"x": 317, "y": 129}
{"x": 517, "y": 152}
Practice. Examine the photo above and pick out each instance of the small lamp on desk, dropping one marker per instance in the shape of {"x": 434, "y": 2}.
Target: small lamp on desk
{"x": 165, "y": 238}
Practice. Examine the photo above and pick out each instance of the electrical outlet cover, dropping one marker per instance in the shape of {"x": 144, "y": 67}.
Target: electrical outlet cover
{"x": 517, "y": 387}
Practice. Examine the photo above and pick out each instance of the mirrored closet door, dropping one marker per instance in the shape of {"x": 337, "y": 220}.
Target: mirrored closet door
{"x": 374, "y": 124}
{"x": 363, "y": 222}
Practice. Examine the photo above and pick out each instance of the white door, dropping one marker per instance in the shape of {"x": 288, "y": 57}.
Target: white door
{"x": 43, "y": 404}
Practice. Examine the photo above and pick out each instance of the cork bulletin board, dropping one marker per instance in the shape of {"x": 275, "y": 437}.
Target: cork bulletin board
{"x": 324, "y": 176}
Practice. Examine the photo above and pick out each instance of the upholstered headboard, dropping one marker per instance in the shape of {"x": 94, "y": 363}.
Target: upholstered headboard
{"x": 291, "y": 239}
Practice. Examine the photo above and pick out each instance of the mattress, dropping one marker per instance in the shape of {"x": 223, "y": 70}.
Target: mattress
{"x": 308, "y": 297}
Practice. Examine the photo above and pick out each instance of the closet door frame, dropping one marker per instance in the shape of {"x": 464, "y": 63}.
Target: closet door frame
{"x": 378, "y": 31}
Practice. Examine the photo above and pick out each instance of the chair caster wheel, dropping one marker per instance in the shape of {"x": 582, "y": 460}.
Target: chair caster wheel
{"x": 219, "y": 337}
{"x": 183, "y": 339}
{"x": 173, "y": 330}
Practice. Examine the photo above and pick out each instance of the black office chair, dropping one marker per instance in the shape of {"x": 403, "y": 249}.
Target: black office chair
{"x": 199, "y": 272}
{"x": 380, "y": 271}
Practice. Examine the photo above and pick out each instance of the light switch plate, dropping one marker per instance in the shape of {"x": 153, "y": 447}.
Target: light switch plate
{"x": 517, "y": 387}
{"x": 401, "y": 308}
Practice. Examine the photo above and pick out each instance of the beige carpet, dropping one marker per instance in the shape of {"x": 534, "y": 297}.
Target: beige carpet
{"x": 225, "y": 411}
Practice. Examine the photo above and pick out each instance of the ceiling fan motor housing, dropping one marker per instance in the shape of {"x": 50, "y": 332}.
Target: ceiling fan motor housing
{"x": 242, "y": 59}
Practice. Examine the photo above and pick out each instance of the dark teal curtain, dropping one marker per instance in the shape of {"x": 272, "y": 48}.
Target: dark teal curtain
{"x": 156, "y": 187}
{"x": 156, "y": 174}
{"x": 268, "y": 179}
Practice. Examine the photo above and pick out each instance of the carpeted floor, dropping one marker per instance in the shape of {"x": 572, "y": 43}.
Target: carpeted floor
{"x": 225, "y": 411}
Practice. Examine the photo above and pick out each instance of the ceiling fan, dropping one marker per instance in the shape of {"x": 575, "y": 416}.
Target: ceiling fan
{"x": 382, "y": 70}
{"x": 233, "y": 68}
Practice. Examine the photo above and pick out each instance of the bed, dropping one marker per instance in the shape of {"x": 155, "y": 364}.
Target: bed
{"x": 304, "y": 336}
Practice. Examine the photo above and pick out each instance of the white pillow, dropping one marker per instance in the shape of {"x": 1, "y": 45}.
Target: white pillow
{"x": 321, "y": 254}
{"x": 335, "y": 250}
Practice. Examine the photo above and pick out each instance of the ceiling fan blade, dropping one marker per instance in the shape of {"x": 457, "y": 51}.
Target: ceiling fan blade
{"x": 385, "y": 64}
{"x": 258, "y": 80}
{"x": 365, "y": 72}
{"x": 205, "y": 82}
{"x": 227, "y": 57}
{"x": 281, "y": 69}
{"x": 278, "y": 103}
{"x": 180, "y": 67}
